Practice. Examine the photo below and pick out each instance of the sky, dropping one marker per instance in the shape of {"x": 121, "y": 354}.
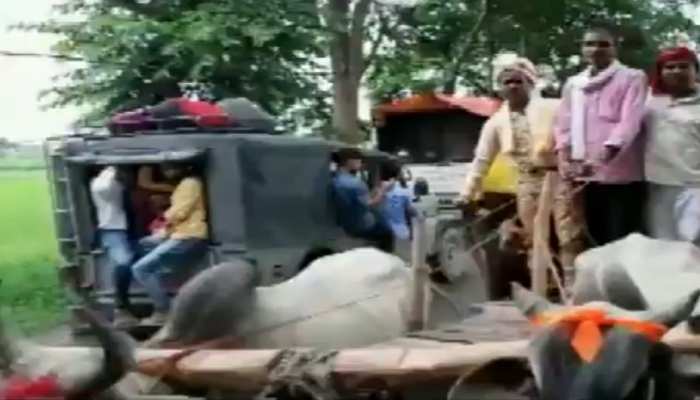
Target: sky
{"x": 23, "y": 78}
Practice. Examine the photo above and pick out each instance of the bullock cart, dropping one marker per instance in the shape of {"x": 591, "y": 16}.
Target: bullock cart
{"x": 482, "y": 356}
{"x": 486, "y": 352}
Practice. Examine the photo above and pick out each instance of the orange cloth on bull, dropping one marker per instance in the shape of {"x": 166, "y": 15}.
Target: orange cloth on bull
{"x": 587, "y": 325}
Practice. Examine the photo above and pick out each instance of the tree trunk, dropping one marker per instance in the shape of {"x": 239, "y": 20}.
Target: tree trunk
{"x": 464, "y": 48}
{"x": 345, "y": 109}
{"x": 347, "y": 63}
{"x": 450, "y": 82}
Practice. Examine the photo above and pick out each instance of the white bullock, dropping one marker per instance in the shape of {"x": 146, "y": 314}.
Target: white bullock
{"x": 355, "y": 298}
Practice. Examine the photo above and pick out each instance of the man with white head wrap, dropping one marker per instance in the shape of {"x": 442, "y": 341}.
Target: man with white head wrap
{"x": 522, "y": 129}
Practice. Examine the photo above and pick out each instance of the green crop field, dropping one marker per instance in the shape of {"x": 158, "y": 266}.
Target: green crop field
{"x": 29, "y": 295}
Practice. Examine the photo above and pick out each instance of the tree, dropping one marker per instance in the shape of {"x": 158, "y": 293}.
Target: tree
{"x": 347, "y": 23}
{"x": 137, "y": 52}
{"x": 438, "y": 45}
{"x": 270, "y": 51}
{"x": 444, "y": 43}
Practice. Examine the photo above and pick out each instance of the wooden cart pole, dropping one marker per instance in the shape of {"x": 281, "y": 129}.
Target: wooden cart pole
{"x": 540, "y": 261}
{"x": 420, "y": 296}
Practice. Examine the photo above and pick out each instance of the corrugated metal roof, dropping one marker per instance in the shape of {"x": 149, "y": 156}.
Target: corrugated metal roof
{"x": 482, "y": 106}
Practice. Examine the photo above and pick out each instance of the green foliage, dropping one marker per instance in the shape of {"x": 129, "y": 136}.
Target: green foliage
{"x": 137, "y": 52}
{"x": 136, "y": 55}
{"x": 435, "y": 36}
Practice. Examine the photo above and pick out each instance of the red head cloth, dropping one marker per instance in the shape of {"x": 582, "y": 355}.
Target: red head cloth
{"x": 667, "y": 55}
{"x": 20, "y": 388}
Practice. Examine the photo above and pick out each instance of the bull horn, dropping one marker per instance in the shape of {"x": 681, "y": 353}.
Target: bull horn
{"x": 678, "y": 312}
{"x": 118, "y": 359}
{"x": 528, "y": 302}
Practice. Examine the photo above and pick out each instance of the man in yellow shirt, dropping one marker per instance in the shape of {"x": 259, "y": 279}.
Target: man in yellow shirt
{"x": 185, "y": 236}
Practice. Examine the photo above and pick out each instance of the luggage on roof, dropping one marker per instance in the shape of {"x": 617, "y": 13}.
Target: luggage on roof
{"x": 182, "y": 112}
{"x": 171, "y": 114}
{"x": 248, "y": 114}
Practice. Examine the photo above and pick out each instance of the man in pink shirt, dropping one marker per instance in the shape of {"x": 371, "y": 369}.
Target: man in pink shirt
{"x": 598, "y": 141}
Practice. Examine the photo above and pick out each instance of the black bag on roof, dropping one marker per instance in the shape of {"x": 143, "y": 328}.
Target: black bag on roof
{"x": 248, "y": 114}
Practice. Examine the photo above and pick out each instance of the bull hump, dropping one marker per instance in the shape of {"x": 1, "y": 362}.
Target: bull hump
{"x": 365, "y": 265}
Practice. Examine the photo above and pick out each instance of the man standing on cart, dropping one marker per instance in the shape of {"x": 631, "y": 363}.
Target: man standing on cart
{"x": 522, "y": 129}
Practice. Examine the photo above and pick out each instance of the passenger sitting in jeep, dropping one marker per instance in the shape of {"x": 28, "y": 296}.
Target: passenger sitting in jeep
{"x": 159, "y": 204}
{"x": 357, "y": 208}
{"x": 183, "y": 239}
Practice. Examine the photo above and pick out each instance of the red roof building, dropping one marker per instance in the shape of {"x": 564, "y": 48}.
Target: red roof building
{"x": 433, "y": 127}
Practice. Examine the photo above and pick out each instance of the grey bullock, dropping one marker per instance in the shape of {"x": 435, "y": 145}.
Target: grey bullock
{"x": 638, "y": 273}
{"x": 355, "y": 298}
{"x": 628, "y": 365}
{"x": 83, "y": 377}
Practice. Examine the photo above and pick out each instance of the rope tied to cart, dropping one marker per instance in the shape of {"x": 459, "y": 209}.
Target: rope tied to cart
{"x": 301, "y": 370}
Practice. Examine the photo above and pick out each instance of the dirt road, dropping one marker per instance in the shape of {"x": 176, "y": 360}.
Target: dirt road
{"x": 62, "y": 336}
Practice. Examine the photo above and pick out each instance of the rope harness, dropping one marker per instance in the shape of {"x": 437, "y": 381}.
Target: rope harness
{"x": 302, "y": 370}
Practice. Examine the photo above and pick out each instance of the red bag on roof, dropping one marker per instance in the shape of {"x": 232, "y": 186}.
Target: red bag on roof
{"x": 171, "y": 114}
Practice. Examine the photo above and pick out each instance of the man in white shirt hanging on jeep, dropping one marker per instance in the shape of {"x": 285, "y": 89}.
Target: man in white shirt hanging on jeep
{"x": 107, "y": 192}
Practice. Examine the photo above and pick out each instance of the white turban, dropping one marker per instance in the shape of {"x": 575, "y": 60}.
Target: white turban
{"x": 522, "y": 65}
{"x": 512, "y": 62}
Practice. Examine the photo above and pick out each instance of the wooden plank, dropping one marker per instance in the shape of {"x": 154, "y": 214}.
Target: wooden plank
{"x": 404, "y": 362}
{"x": 401, "y": 362}
{"x": 227, "y": 369}
{"x": 401, "y": 367}
{"x": 681, "y": 340}
{"x": 352, "y": 368}
{"x": 424, "y": 357}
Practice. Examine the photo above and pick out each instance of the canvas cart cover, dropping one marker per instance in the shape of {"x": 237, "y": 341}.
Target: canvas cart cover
{"x": 286, "y": 191}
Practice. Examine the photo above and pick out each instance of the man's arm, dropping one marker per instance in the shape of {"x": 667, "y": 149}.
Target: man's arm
{"x": 631, "y": 116}
{"x": 145, "y": 181}
{"x": 188, "y": 194}
{"x": 562, "y": 122}
{"x": 105, "y": 184}
{"x": 562, "y": 134}
{"x": 486, "y": 151}
{"x": 378, "y": 195}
